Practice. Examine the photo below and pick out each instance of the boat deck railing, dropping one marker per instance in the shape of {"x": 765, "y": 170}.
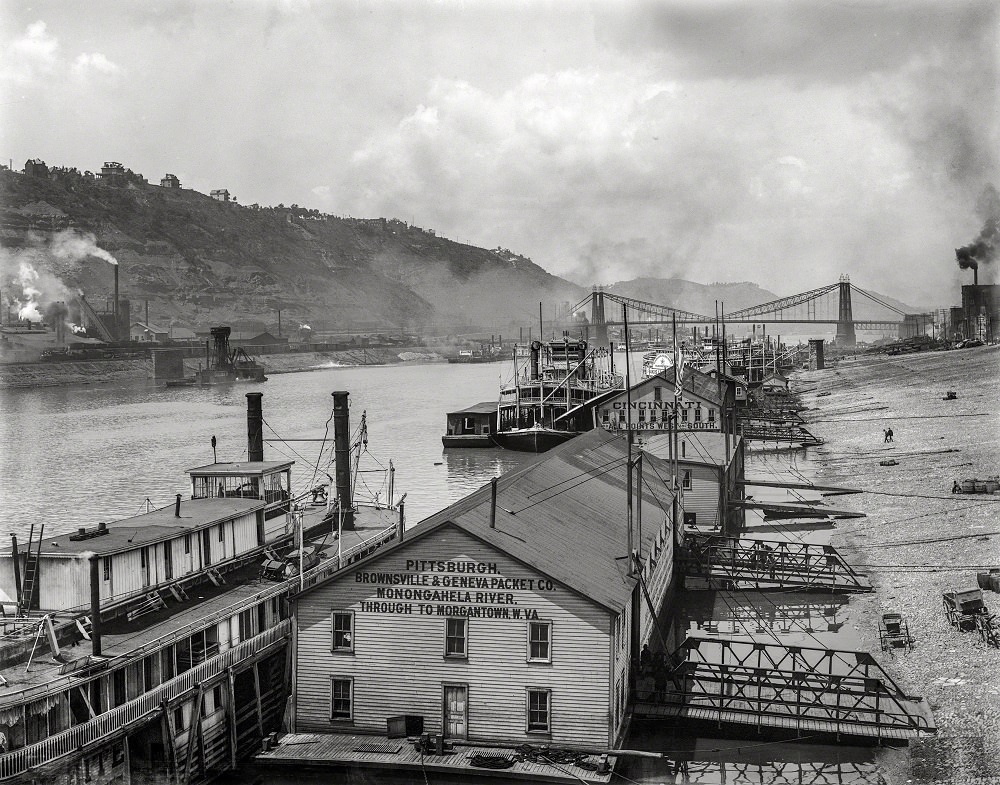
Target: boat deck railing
{"x": 141, "y": 709}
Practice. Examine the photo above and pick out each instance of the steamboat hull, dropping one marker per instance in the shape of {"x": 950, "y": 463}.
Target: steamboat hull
{"x": 532, "y": 439}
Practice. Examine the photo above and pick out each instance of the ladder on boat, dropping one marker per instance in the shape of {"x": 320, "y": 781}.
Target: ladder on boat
{"x": 29, "y": 583}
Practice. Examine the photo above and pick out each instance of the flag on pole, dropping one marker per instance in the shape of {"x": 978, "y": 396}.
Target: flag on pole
{"x": 678, "y": 372}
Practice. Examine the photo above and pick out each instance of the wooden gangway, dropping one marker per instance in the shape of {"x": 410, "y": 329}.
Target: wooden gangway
{"x": 745, "y": 682}
{"x": 776, "y": 564}
{"x": 823, "y": 490}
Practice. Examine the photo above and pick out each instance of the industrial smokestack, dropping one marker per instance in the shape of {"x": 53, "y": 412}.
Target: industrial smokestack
{"x": 342, "y": 458}
{"x": 255, "y": 427}
{"x": 177, "y": 507}
{"x": 493, "y": 503}
{"x": 117, "y": 324}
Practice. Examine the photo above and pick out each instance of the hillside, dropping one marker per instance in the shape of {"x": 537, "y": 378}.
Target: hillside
{"x": 198, "y": 260}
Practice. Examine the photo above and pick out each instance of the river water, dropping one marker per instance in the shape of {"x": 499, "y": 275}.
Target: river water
{"x": 74, "y": 456}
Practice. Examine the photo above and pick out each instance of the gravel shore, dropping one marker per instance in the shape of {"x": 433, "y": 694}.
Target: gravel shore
{"x": 919, "y": 539}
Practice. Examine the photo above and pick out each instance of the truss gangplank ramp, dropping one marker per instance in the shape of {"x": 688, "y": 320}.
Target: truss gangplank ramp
{"x": 769, "y": 563}
{"x": 749, "y": 683}
{"x": 805, "y": 509}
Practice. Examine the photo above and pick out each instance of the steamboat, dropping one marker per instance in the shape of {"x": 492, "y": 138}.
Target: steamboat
{"x": 545, "y": 403}
{"x": 154, "y": 648}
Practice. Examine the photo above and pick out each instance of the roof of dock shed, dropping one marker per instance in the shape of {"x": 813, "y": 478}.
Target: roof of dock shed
{"x": 564, "y": 515}
{"x": 246, "y": 467}
{"x": 486, "y": 407}
{"x": 154, "y": 526}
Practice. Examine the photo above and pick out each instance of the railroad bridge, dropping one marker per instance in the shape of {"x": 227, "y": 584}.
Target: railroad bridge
{"x": 830, "y": 304}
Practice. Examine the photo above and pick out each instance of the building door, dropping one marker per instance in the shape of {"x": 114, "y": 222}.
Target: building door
{"x": 456, "y": 711}
{"x": 206, "y": 547}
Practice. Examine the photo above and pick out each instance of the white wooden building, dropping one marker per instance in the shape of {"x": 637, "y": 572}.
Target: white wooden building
{"x": 138, "y": 554}
{"x": 710, "y": 473}
{"x": 509, "y": 622}
{"x": 705, "y": 404}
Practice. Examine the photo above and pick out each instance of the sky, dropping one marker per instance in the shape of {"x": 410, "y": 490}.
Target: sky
{"x": 784, "y": 143}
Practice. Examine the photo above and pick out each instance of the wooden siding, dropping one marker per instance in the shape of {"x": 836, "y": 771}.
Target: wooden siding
{"x": 64, "y": 582}
{"x": 398, "y": 664}
{"x": 620, "y": 662}
{"x": 704, "y": 496}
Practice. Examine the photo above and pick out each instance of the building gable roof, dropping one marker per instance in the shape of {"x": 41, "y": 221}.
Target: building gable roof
{"x": 564, "y": 515}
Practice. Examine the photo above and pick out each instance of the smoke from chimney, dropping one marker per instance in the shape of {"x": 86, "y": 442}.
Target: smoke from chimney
{"x": 983, "y": 249}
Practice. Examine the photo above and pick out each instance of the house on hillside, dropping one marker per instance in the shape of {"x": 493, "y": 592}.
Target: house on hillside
{"x": 220, "y": 195}
{"x": 35, "y": 167}
{"x": 509, "y": 617}
{"x": 170, "y": 181}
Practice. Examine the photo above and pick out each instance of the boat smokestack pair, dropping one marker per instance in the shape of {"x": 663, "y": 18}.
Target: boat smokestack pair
{"x": 342, "y": 458}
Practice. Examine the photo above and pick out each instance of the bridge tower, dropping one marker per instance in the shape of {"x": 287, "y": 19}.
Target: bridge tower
{"x": 597, "y": 319}
{"x": 845, "y": 317}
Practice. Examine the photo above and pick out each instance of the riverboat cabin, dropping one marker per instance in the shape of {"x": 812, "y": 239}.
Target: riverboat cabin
{"x": 268, "y": 481}
{"x": 710, "y": 472}
{"x": 136, "y": 555}
{"x": 704, "y": 405}
{"x": 472, "y": 427}
{"x": 511, "y": 616}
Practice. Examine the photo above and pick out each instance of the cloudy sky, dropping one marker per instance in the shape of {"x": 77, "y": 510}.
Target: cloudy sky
{"x": 779, "y": 142}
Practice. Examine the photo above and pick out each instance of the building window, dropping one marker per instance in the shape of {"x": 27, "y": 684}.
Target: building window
{"x": 684, "y": 414}
{"x": 539, "y": 719}
{"x": 605, "y": 415}
{"x": 642, "y": 415}
{"x": 187, "y": 543}
{"x": 687, "y": 479}
{"x": 222, "y": 533}
{"x": 456, "y": 638}
{"x": 711, "y": 415}
{"x": 657, "y": 393}
{"x": 539, "y": 641}
{"x": 697, "y": 414}
{"x": 343, "y": 631}
{"x": 107, "y": 568}
{"x": 342, "y": 699}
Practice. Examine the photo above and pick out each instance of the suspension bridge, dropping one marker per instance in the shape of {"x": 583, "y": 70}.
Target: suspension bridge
{"x": 830, "y": 304}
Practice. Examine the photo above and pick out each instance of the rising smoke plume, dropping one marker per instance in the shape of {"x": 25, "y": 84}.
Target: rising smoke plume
{"x": 983, "y": 249}
{"x": 31, "y": 276}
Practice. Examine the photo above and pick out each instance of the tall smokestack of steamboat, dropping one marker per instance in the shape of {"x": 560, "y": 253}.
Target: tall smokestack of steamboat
{"x": 255, "y": 427}
{"x": 342, "y": 458}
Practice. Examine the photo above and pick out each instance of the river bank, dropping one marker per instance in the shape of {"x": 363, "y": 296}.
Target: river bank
{"x": 919, "y": 539}
{"x": 59, "y": 373}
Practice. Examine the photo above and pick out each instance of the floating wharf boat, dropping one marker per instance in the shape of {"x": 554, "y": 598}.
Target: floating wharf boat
{"x": 472, "y": 426}
{"x": 158, "y": 643}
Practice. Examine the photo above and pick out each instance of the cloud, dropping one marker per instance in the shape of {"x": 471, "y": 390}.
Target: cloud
{"x": 606, "y": 175}
{"x": 87, "y": 64}
{"x": 33, "y": 54}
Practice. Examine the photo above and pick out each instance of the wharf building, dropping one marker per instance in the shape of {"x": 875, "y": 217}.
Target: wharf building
{"x": 710, "y": 473}
{"x": 705, "y": 404}
{"x": 511, "y": 616}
